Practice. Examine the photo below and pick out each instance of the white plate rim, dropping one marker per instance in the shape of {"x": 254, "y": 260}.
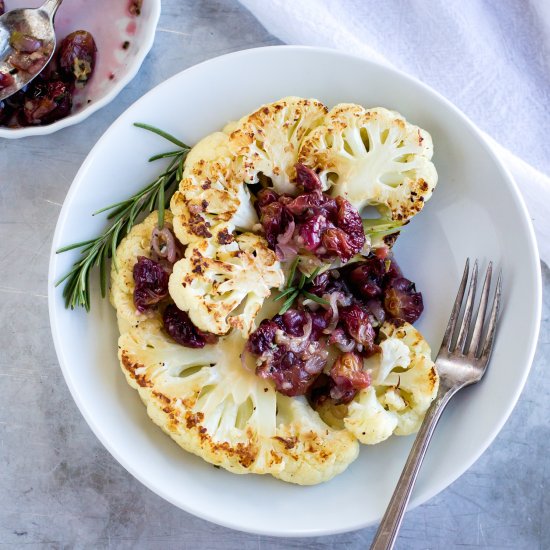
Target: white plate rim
{"x": 144, "y": 48}
{"x": 415, "y": 501}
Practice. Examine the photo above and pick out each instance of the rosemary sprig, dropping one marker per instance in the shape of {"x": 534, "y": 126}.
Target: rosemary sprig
{"x": 292, "y": 290}
{"x": 123, "y": 215}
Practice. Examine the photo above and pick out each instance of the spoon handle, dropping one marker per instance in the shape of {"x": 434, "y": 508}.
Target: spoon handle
{"x": 50, "y": 7}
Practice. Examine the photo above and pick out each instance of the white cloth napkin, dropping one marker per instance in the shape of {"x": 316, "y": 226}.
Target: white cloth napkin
{"x": 492, "y": 59}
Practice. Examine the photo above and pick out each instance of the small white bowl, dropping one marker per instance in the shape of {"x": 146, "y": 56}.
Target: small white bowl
{"x": 111, "y": 25}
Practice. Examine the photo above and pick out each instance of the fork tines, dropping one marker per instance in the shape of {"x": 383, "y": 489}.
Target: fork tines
{"x": 474, "y": 347}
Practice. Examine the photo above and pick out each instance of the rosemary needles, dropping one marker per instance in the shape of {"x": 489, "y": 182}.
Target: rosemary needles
{"x": 123, "y": 216}
{"x": 294, "y": 288}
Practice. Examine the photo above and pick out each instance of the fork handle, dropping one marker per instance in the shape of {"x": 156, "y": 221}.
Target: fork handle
{"x": 389, "y": 527}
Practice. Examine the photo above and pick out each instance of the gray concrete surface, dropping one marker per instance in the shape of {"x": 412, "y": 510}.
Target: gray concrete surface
{"x": 59, "y": 488}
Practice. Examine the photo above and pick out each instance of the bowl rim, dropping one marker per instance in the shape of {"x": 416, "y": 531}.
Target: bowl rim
{"x": 415, "y": 501}
{"x": 119, "y": 84}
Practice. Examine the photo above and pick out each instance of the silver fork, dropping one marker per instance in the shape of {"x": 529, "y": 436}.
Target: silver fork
{"x": 459, "y": 365}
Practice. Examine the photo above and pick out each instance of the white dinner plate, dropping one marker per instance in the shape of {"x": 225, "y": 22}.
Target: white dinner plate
{"x": 476, "y": 211}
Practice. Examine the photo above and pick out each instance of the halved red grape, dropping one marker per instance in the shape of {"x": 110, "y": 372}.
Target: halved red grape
{"x": 294, "y": 321}
{"x": 355, "y": 319}
{"x": 77, "y": 55}
{"x": 266, "y": 196}
{"x": 349, "y": 377}
{"x": 275, "y": 219}
{"x": 307, "y": 178}
{"x": 151, "y": 284}
{"x": 349, "y": 220}
{"x": 182, "y": 330}
{"x": 402, "y": 301}
{"x": 338, "y": 243}
{"x": 263, "y": 338}
{"x": 311, "y": 232}
{"x": 346, "y": 378}
{"x": 306, "y": 204}
{"x": 367, "y": 279}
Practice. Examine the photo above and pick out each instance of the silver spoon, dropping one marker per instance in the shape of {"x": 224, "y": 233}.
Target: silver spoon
{"x": 36, "y": 24}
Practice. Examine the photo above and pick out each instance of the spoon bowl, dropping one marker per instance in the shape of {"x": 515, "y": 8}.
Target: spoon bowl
{"x": 37, "y": 24}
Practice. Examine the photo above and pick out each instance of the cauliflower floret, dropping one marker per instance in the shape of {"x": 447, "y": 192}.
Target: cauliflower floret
{"x": 373, "y": 157}
{"x": 225, "y": 286}
{"x": 211, "y": 200}
{"x": 404, "y": 383}
{"x": 268, "y": 140}
{"x": 212, "y": 406}
{"x": 136, "y": 243}
{"x": 394, "y": 352}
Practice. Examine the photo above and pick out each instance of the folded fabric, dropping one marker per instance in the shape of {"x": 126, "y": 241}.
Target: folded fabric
{"x": 492, "y": 59}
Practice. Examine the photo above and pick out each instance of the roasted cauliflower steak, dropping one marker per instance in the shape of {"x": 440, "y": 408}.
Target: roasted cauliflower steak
{"x": 373, "y": 157}
{"x": 213, "y": 407}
